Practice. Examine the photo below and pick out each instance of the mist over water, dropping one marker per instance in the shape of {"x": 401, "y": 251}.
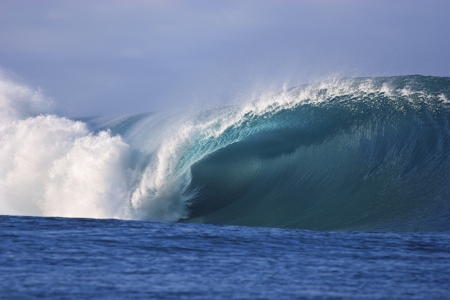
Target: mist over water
{"x": 363, "y": 153}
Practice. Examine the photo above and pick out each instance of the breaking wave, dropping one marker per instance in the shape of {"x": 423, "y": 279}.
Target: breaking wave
{"x": 344, "y": 154}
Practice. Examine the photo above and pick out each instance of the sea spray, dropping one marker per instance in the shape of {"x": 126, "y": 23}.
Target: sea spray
{"x": 53, "y": 166}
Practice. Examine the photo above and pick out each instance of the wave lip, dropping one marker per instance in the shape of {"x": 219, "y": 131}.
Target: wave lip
{"x": 374, "y": 156}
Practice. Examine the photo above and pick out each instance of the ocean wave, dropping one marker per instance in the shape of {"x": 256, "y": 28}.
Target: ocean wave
{"x": 344, "y": 154}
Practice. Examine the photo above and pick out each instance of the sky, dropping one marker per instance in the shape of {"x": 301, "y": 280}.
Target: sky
{"x": 110, "y": 57}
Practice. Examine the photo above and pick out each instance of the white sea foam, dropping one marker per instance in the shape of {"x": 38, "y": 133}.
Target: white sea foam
{"x": 18, "y": 101}
{"x": 443, "y": 98}
{"x": 53, "y": 166}
{"x": 159, "y": 193}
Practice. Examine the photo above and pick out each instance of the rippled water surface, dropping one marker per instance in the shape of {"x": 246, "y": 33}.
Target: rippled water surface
{"x": 86, "y": 258}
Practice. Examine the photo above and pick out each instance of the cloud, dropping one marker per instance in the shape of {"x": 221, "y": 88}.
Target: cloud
{"x": 110, "y": 56}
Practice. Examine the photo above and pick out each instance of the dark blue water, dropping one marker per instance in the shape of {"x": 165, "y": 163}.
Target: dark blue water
{"x": 55, "y": 258}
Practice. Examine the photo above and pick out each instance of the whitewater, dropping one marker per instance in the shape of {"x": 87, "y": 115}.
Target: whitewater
{"x": 342, "y": 154}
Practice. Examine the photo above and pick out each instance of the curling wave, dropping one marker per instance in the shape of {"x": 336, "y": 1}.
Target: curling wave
{"x": 346, "y": 154}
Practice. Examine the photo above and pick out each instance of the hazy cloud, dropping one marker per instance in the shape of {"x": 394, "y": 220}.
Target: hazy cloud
{"x": 130, "y": 56}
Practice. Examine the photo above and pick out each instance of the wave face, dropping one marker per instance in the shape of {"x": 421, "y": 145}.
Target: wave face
{"x": 347, "y": 154}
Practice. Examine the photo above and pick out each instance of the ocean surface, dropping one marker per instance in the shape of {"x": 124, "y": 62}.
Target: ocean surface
{"x": 337, "y": 189}
{"x": 63, "y": 258}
